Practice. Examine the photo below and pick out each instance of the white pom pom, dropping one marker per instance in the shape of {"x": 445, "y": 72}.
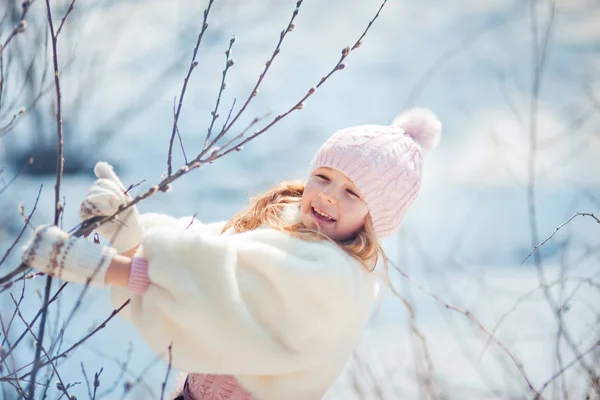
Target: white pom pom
{"x": 422, "y": 125}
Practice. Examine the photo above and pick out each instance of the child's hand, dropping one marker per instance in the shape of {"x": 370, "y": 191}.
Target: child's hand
{"x": 104, "y": 198}
{"x": 53, "y": 251}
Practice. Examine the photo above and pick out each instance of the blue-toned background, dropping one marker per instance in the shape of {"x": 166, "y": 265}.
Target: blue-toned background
{"x": 464, "y": 239}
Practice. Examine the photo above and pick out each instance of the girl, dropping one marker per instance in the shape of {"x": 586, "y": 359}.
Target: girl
{"x": 269, "y": 305}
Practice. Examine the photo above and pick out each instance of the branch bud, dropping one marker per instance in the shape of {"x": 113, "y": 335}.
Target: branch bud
{"x": 291, "y": 27}
{"x": 341, "y": 66}
{"x": 345, "y": 51}
{"x": 21, "y": 26}
{"x": 214, "y": 151}
{"x": 230, "y": 62}
{"x": 255, "y": 93}
{"x": 300, "y": 106}
{"x": 311, "y": 90}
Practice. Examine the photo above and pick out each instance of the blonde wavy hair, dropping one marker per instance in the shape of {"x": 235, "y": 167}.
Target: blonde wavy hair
{"x": 267, "y": 209}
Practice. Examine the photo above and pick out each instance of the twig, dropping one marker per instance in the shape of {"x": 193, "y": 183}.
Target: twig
{"x": 20, "y": 28}
{"x": 87, "y": 381}
{"x": 165, "y": 184}
{"x": 417, "y": 332}
{"x": 470, "y": 316}
{"x": 524, "y": 297}
{"x": 539, "y": 58}
{"x": 17, "y": 384}
{"x": 14, "y": 346}
{"x": 62, "y": 22}
{"x": 29, "y": 162}
{"x": 123, "y": 366}
{"x": 255, "y": 89}
{"x": 179, "y": 134}
{"x": 66, "y": 352}
{"x": 7, "y": 331}
{"x": 62, "y": 387}
{"x": 193, "y": 64}
{"x": 578, "y": 214}
{"x": 57, "y": 210}
{"x": 569, "y": 365}
{"x": 97, "y": 382}
{"x": 164, "y": 384}
{"x": 7, "y": 253}
{"x": 340, "y": 65}
{"x": 139, "y": 378}
{"x": 215, "y": 113}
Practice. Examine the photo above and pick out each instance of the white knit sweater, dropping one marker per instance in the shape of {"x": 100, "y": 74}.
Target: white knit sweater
{"x": 279, "y": 313}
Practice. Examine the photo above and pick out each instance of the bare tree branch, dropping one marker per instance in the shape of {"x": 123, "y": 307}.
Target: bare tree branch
{"x": 193, "y": 65}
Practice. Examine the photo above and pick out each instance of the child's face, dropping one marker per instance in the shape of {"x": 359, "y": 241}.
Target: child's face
{"x": 333, "y": 202}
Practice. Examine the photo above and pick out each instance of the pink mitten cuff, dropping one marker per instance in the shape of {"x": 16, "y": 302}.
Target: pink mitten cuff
{"x": 138, "y": 276}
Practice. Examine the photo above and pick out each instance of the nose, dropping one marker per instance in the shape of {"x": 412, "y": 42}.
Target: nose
{"x": 327, "y": 197}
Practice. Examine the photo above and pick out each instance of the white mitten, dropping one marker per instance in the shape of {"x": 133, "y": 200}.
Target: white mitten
{"x": 104, "y": 198}
{"x": 53, "y": 251}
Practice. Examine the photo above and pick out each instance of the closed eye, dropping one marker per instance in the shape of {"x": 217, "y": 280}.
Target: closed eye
{"x": 324, "y": 177}
{"x": 353, "y": 193}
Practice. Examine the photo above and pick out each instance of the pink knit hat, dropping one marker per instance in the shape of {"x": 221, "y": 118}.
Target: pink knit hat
{"x": 384, "y": 162}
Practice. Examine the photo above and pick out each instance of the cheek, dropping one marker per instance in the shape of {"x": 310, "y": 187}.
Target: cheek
{"x": 306, "y": 199}
{"x": 356, "y": 214}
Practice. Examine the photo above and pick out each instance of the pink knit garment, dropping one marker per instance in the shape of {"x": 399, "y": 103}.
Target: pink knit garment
{"x": 384, "y": 162}
{"x": 138, "y": 276}
{"x": 214, "y": 387}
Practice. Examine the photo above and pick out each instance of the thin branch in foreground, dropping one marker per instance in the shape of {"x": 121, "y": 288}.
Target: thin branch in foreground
{"x": 87, "y": 381}
{"x": 255, "y": 90}
{"x": 65, "y": 353}
{"x": 428, "y": 379}
{"x": 62, "y": 22}
{"x": 58, "y": 208}
{"x": 339, "y": 66}
{"x": 179, "y": 134}
{"x": 572, "y": 363}
{"x": 578, "y": 214}
{"x": 4, "y": 355}
{"x": 10, "y": 249}
{"x": 164, "y": 185}
{"x": 14, "y": 346}
{"x": 229, "y": 62}
{"x": 60, "y": 385}
{"x": 470, "y": 316}
{"x": 97, "y": 382}
{"x": 19, "y": 28}
{"x": 164, "y": 384}
{"x": 193, "y": 64}
{"x": 29, "y": 162}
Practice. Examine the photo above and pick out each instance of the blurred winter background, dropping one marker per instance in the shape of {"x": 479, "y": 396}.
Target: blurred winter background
{"x": 515, "y": 83}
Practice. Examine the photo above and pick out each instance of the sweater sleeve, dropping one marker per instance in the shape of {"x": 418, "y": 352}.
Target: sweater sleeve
{"x": 118, "y": 295}
{"x": 260, "y": 302}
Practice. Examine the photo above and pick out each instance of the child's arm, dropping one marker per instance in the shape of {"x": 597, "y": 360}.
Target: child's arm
{"x": 118, "y": 271}
{"x": 259, "y": 302}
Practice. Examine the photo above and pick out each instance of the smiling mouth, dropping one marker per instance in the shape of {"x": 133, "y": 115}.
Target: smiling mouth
{"x": 321, "y": 216}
